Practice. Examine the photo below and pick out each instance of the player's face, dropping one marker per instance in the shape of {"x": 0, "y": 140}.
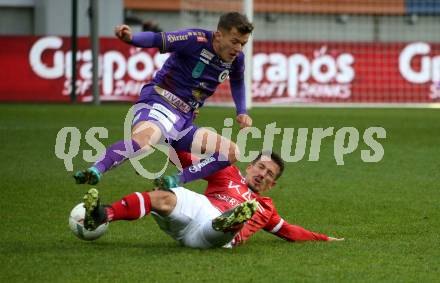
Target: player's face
{"x": 230, "y": 44}
{"x": 261, "y": 175}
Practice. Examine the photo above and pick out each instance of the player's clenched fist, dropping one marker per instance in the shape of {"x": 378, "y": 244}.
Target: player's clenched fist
{"x": 123, "y": 32}
{"x": 244, "y": 120}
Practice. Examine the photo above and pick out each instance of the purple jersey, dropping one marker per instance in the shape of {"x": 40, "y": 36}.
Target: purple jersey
{"x": 193, "y": 71}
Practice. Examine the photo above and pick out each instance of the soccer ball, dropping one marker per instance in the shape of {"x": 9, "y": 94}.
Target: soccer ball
{"x": 76, "y": 223}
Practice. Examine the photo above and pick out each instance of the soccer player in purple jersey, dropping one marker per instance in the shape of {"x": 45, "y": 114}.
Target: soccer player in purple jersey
{"x": 200, "y": 60}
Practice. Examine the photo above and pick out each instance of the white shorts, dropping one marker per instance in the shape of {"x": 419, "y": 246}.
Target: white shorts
{"x": 190, "y": 222}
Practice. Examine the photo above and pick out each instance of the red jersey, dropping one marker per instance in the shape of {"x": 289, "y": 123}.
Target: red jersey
{"x": 227, "y": 188}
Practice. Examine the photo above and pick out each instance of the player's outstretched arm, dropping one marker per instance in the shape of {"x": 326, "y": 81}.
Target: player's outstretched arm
{"x": 164, "y": 41}
{"x": 281, "y": 228}
{"x": 124, "y": 33}
{"x": 296, "y": 233}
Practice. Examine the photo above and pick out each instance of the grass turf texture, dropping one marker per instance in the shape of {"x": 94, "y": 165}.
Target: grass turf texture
{"x": 387, "y": 211}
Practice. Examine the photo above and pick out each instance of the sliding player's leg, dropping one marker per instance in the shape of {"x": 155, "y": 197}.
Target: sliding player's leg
{"x": 131, "y": 207}
{"x": 186, "y": 216}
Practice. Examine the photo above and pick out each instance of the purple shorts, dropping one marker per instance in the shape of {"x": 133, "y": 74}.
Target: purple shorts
{"x": 177, "y": 127}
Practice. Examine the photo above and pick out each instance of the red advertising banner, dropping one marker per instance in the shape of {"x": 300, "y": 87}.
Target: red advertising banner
{"x": 287, "y": 72}
{"x": 39, "y": 69}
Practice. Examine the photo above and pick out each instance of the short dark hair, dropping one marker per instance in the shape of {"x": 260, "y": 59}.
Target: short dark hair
{"x": 235, "y": 20}
{"x": 275, "y": 158}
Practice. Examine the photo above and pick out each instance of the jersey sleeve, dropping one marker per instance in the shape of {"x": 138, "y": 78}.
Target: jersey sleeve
{"x": 236, "y": 80}
{"x": 179, "y": 41}
{"x": 239, "y": 96}
{"x": 147, "y": 39}
{"x": 237, "y": 72}
{"x": 281, "y": 228}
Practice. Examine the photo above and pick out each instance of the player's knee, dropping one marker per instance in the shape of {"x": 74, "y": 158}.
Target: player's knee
{"x": 163, "y": 202}
{"x": 139, "y": 140}
{"x": 168, "y": 202}
{"x": 146, "y": 134}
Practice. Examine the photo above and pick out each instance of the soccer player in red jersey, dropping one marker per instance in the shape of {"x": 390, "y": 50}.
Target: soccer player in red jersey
{"x": 231, "y": 210}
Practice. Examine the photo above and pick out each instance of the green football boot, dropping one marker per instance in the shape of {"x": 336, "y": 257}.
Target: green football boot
{"x": 230, "y": 219}
{"x": 95, "y": 213}
{"x": 90, "y": 176}
{"x": 166, "y": 182}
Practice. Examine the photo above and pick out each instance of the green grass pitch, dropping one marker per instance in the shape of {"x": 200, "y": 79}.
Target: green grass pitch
{"x": 388, "y": 211}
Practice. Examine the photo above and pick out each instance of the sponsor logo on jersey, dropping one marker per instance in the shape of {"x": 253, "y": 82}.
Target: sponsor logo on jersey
{"x": 206, "y": 54}
{"x": 172, "y": 38}
{"x": 198, "y": 167}
{"x": 246, "y": 195}
{"x": 232, "y": 201}
{"x": 200, "y": 36}
{"x": 226, "y": 64}
{"x": 199, "y": 95}
{"x": 197, "y": 33}
{"x": 205, "y": 57}
{"x": 204, "y": 60}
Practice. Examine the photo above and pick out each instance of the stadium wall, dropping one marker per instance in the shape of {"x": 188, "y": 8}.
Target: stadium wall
{"x": 53, "y": 17}
{"x": 402, "y": 21}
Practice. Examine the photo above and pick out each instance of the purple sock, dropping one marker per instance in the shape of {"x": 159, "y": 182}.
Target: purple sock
{"x": 203, "y": 168}
{"x": 112, "y": 158}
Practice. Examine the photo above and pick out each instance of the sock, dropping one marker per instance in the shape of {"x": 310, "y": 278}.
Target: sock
{"x": 131, "y": 207}
{"x": 204, "y": 168}
{"x": 112, "y": 158}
